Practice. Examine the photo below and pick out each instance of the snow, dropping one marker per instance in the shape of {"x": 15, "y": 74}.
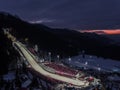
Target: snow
{"x": 94, "y": 62}
{"x": 26, "y": 83}
{"x": 114, "y": 78}
{"x": 43, "y": 83}
{"x": 9, "y": 76}
{"x": 30, "y": 75}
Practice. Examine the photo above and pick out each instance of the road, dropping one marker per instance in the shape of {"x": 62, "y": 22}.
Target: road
{"x": 40, "y": 70}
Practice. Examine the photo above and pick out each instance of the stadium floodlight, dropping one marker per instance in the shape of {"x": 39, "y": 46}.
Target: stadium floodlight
{"x": 99, "y": 68}
{"x": 69, "y": 59}
{"x": 86, "y": 63}
{"x": 49, "y": 53}
{"x": 58, "y": 57}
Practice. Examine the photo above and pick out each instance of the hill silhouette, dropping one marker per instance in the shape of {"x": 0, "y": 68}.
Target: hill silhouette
{"x": 58, "y": 41}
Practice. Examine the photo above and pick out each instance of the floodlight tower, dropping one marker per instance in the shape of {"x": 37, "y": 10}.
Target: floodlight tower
{"x": 49, "y": 54}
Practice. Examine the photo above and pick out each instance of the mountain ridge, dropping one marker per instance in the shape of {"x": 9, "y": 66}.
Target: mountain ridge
{"x": 64, "y": 42}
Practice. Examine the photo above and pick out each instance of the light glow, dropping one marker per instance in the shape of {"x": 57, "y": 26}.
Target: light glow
{"x": 108, "y": 32}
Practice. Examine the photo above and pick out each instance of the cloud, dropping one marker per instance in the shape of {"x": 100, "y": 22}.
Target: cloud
{"x": 43, "y": 21}
{"x": 76, "y": 14}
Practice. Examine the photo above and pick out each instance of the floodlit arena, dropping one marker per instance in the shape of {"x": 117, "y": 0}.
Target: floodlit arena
{"x": 56, "y": 71}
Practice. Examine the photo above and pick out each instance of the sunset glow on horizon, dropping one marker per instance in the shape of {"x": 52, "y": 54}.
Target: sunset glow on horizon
{"x": 108, "y": 32}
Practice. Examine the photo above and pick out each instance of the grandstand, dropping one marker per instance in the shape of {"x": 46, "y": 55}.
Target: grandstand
{"x": 63, "y": 70}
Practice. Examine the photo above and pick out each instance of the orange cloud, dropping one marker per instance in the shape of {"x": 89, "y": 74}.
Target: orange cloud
{"x": 109, "y": 32}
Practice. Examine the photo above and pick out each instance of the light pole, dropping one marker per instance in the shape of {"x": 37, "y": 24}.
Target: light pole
{"x": 83, "y": 54}
{"x": 49, "y": 56}
{"x": 99, "y": 68}
{"x": 58, "y": 57}
{"x": 69, "y": 59}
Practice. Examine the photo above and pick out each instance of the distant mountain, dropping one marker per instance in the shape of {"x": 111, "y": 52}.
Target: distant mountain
{"x": 58, "y": 41}
{"x": 116, "y": 38}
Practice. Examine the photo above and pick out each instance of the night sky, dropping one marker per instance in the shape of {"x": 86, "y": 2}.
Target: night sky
{"x": 74, "y": 14}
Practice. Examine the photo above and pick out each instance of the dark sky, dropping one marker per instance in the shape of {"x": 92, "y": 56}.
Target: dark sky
{"x": 75, "y": 14}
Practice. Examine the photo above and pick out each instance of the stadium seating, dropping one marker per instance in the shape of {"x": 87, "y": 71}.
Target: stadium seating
{"x": 62, "y": 70}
